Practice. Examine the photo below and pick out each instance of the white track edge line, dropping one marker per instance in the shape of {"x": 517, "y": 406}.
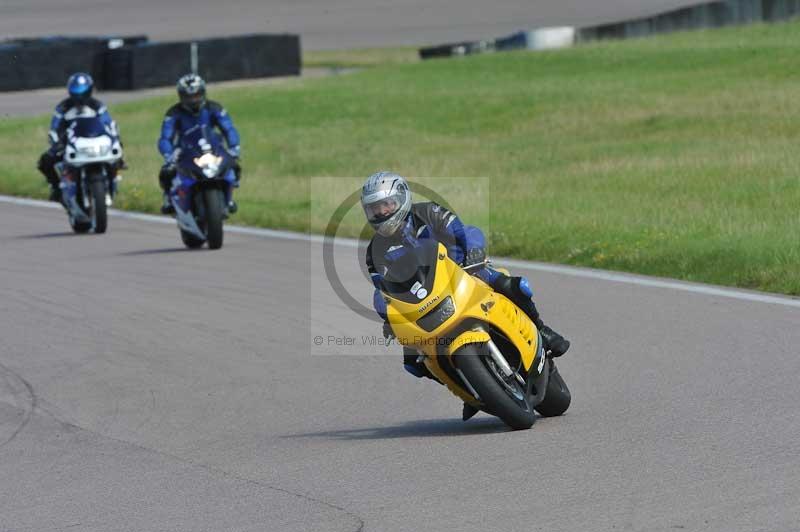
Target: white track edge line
{"x": 572, "y": 271}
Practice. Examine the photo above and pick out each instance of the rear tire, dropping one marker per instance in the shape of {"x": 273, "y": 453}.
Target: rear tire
{"x": 493, "y": 395}
{"x": 191, "y": 241}
{"x": 215, "y": 200}
{"x": 99, "y": 210}
{"x": 557, "y": 397}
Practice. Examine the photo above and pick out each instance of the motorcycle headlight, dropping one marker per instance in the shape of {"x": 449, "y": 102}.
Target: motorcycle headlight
{"x": 209, "y": 164}
{"x": 438, "y": 315}
{"x": 94, "y": 151}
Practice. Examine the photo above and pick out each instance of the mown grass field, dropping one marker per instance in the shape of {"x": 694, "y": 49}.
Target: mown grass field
{"x": 674, "y": 156}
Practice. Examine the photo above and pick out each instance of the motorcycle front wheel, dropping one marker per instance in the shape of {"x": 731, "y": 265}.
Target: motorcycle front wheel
{"x": 80, "y": 227}
{"x": 99, "y": 209}
{"x": 504, "y": 398}
{"x": 215, "y": 201}
{"x": 191, "y": 241}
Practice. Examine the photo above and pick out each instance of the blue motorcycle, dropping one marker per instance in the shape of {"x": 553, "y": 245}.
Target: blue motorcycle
{"x": 203, "y": 187}
{"x": 88, "y": 174}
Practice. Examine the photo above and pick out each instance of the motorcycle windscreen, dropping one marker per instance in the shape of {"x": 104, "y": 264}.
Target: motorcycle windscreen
{"x": 195, "y": 143}
{"x": 87, "y": 128}
{"x": 198, "y": 140}
{"x": 408, "y": 272}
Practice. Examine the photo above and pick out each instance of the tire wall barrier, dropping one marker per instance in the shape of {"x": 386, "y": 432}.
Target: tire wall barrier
{"x": 161, "y": 64}
{"x": 134, "y": 63}
{"x": 702, "y": 16}
{"x": 253, "y": 56}
{"x": 27, "y": 64}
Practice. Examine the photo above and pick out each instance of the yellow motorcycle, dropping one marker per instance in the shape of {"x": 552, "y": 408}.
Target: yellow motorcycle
{"x": 475, "y": 341}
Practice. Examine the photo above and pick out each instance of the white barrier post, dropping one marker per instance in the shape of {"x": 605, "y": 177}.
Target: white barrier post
{"x": 550, "y": 38}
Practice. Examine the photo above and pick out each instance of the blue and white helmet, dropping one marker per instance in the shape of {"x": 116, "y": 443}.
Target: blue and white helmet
{"x": 386, "y": 200}
{"x": 79, "y": 87}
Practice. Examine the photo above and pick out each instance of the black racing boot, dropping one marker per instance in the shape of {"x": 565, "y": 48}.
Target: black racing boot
{"x": 417, "y": 369}
{"x": 556, "y": 344}
{"x": 167, "y": 207}
{"x": 46, "y": 166}
{"x": 232, "y": 207}
{"x": 165, "y": 177}
{"x": 55, "y": 193}
{"x": 511, "y": 287}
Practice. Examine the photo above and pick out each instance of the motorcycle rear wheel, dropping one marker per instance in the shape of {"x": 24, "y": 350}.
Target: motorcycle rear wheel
{"x": 497, "y": 397}
{"x": 557, "y": 397}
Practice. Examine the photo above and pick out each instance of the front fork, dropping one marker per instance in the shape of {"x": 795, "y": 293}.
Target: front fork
{"x": 535, "y": 378}
{"x": 72, "y": 178}
{"x": 181, "y": 194}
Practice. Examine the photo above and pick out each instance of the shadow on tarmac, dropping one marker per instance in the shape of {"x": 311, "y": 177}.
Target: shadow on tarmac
{"x": 415, "y": 429}
{"x": 159, "y": 251}
{"x": 61, "y": 234}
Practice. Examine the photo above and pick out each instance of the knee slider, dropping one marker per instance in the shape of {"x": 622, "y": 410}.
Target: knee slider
{"x": 46, "y": 162}
{"x": 523, "y": 286}
{"x": 505, "y": 285}
{"x": 165, "y": 178}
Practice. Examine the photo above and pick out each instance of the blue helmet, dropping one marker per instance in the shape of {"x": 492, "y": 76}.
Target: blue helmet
{"x": 80, "y": 86}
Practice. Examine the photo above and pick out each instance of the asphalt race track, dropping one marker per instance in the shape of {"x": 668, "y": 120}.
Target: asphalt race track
{"x": 321, "y": 23}
{"x": 145, "y": 387}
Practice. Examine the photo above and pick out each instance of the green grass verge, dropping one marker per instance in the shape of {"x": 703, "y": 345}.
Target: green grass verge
{"x": 672, "y": 156}
{"x": 360, "y": 58}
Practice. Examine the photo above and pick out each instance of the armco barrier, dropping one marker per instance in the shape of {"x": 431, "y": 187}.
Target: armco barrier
{"x": 708, "y": 15}
{"x": 27, "y": 64}
{"x": 703, "y": 15}
{"x": 456, "y": 49}
{"x": 160, "y": 64}
{"x": 541, "y": 39}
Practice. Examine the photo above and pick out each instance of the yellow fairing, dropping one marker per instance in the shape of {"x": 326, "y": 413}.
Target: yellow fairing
{"x": 468, "y": 337}
{"x": 478, "y": 309}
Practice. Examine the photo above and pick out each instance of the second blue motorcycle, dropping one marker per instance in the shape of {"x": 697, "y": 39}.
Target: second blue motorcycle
{"x": 202, "y": 190}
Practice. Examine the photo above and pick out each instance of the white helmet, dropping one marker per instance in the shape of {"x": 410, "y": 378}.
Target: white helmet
{"x": 386, "y": 200}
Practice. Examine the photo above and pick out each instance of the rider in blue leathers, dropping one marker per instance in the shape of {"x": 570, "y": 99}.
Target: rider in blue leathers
{"x": 79, "y": 103}
{"x": 192, "y": 110}
{"x": 386, "y": 199}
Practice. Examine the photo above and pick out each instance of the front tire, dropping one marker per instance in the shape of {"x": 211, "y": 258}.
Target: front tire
{"x": 557, "y": 397}
{"x": 99, "y": 210}
{"x": 214, "y": 200}
{"x": 191, "y": 241}
{"x": 81, "y": 227}
{"x": 513, "y": 409}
